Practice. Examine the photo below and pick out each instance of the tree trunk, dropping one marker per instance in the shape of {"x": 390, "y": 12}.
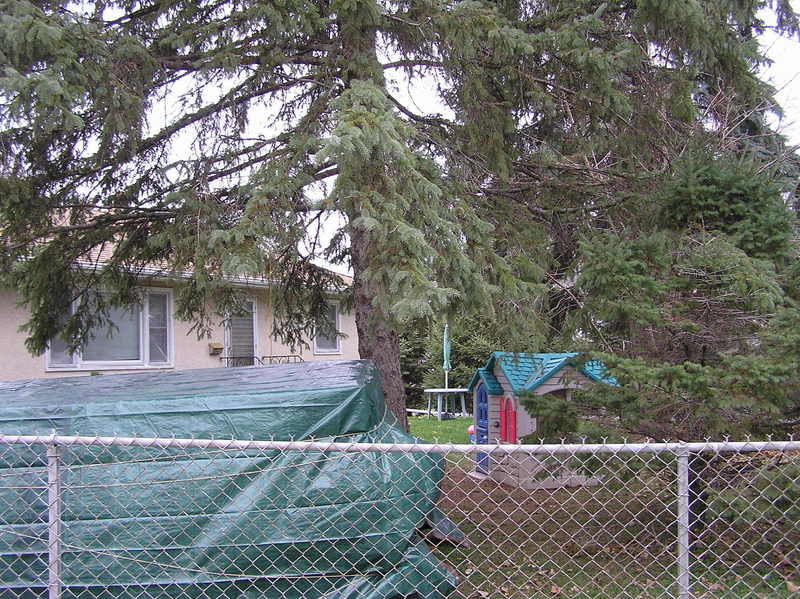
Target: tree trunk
{"x": 377, "y": 341}
{"x": 561, "y": 297}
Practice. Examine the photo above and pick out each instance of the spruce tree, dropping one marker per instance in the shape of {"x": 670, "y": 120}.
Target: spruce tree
{"x": 689, "y": 305}
{"x": 212, "y": 137}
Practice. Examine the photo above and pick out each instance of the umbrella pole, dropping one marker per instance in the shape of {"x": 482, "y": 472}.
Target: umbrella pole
{"x": 446, "y": 352}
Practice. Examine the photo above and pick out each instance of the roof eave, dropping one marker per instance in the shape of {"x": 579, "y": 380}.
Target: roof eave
{"x": 514, "y": 388}
{"x": 158, "y": 273}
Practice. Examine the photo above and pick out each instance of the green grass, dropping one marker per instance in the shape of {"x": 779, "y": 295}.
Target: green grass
{"x": 432, "y": 430}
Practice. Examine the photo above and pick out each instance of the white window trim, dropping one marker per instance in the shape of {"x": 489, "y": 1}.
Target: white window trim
{"x": 338, "y": 350}
{"x": 80, "y": 365}
{"x": 227, "y": 351}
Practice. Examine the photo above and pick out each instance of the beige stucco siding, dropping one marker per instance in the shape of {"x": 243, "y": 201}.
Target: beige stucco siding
{"x": 188, "y": 351}
{"x": 16, "y": 362}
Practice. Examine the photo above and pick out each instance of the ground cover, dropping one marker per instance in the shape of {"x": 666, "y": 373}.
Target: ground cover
{"x": 432, "y": 430}
{"x": 617, "y": 539}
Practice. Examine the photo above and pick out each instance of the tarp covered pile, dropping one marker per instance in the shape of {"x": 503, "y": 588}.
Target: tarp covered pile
{"x": 158, "y": 524}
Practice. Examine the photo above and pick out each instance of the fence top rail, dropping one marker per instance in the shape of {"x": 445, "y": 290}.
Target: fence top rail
{"x": 432, "y": 448}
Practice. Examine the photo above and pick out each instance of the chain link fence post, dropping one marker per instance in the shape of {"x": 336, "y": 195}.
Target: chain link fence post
{"x": 53, "y": 521}
{"x": 684, "y": 581}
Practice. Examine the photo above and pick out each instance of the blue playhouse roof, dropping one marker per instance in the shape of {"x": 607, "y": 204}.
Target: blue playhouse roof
{"x": 526, "y": 372}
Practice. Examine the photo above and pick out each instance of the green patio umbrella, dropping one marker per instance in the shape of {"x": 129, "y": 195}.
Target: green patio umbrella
{"x": 446, "y": 351}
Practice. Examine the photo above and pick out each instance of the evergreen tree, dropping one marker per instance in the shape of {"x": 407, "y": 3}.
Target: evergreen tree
{"x": 415, "y": 358}
{"x": 689, "y": 310}
{"x": 733, "y": 198}
{"x": 213, "y": 136}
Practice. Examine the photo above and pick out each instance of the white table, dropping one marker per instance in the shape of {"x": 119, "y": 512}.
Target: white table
{"x": 443, "y": 396}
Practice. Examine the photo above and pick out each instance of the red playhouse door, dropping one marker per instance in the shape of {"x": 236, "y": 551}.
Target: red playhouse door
{"x": 508, "y": 421}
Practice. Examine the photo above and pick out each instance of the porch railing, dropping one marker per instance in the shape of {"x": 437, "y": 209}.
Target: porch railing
{"x": 236, "y": 361}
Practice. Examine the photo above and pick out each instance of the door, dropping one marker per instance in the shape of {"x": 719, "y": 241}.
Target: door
{"x": 482, "y": 427}
{"x": 241, "y": 338}
{"x": 508, "y": 421}
{"x": 510, "y": 429}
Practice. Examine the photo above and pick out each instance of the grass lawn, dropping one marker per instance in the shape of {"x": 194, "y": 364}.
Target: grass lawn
{"x": 432, "y": 430}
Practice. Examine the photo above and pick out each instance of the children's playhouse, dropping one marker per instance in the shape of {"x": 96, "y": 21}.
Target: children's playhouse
{"x": 501, "y": 418}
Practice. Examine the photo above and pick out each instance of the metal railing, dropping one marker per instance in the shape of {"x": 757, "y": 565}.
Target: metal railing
{"x": 284, "y": 359}
{"x": 162, "y": 517}
{"x": 237, "y": 361}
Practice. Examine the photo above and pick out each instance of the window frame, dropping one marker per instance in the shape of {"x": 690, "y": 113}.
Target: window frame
{"x": 338, "y": 350}
{"x": 143, "y": 362}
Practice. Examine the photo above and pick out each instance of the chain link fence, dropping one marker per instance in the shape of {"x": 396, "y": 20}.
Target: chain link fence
{"x": 139, "y": 518}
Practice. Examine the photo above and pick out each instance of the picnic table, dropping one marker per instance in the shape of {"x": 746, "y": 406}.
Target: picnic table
{"x": 443, "y": 403}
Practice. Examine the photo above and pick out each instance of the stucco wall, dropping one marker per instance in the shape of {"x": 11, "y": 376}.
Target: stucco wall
{"x": 189, "y": 351}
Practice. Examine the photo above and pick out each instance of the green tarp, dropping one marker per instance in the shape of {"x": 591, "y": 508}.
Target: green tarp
{"x": 154, "y": 523}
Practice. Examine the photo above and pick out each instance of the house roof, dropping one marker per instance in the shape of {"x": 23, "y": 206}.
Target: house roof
{"x": 526, "y": 372}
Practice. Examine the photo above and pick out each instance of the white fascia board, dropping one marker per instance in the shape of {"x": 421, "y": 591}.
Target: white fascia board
{"x": 239, "y": 281}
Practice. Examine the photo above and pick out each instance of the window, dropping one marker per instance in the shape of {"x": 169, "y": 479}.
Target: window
{"x": 241, "y": 340}
{"x": 325, "y": 343}
{"x": 141, "y": 338}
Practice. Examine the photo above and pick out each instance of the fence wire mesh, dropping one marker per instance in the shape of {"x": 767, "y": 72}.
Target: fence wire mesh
{"x": 150, "y": 519}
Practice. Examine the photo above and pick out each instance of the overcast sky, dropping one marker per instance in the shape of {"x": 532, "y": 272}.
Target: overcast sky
{"x": 784, "y": 74}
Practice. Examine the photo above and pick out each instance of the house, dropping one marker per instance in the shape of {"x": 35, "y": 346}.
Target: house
{"x": 500, "y": 417}
{"x": 149, "y": 337}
